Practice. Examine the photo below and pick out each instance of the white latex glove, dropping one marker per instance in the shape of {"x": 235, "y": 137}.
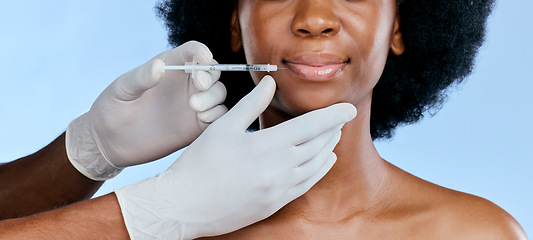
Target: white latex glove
{"x": 228, "y": 179}
{"x": 146, "y": 114}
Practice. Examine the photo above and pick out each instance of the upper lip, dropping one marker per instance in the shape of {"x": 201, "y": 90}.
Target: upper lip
{"x": 316, "y": 59}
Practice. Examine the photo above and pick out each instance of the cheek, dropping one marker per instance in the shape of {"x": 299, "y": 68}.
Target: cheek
{"x": 261, "y": 44}
{"x": 376, "y": 55}
{"x": 370, "y": 46}
{"x": 369, "y": 36}
{"x": 258, "y": 37}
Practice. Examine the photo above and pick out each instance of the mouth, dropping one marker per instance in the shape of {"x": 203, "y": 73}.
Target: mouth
{"x": 316, "y": 67}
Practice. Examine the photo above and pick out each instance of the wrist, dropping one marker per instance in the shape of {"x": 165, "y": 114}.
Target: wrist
{"x": 150, "y": 213}
{"x": 82, "y": 220}
{"x": 84, "y": 154}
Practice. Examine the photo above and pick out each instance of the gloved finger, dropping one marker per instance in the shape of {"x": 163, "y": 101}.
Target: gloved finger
{"x": 252, "y": 105}
{"x": 203, "y": 101}
{"x": 308, "y": 126}
{"x": 311, "y": 167}
{"x": 212, "y": 114}
{"x": 204, "y": 80}
{"x": 187, "y": 52}
{"x": 215, "y": 75}
{"x": 201, "y": 80}
{"x": 134, "y": 83}
{"x": 299, "y": 189}
{"x": 314, "y": 147}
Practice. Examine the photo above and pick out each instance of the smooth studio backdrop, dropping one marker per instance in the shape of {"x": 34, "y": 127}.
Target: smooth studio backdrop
{"x": 57, "y": 56}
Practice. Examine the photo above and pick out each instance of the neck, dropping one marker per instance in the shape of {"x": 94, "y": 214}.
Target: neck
{"x": 355, "y": 183}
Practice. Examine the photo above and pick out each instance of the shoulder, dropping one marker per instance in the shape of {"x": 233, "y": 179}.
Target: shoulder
{"x": 465, "y": 216}
{"x": 451, "y": 214}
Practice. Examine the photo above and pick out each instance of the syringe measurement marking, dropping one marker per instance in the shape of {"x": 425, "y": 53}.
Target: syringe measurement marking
{"x": 189, "y": 67}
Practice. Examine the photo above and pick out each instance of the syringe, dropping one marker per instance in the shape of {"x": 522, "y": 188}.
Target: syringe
{"x": 190, "y": 67}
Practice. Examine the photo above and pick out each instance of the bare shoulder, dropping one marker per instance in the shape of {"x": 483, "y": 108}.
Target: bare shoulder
{"x": 451, "y": 214}
{"x": 464, "y": 216}
{"x": 479, "y": 218}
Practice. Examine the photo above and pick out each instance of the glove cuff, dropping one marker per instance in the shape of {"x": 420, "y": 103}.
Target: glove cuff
{"x": 84, "y": 154}
{"x": 148, "y": 218}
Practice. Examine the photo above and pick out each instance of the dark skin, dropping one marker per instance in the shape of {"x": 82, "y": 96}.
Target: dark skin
{"x": 97, "y": 218}
{"x": 42, "y": 181}
{"x": 363, "y": 196}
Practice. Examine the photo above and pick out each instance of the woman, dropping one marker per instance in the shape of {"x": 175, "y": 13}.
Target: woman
{"x": 392, "y": 60}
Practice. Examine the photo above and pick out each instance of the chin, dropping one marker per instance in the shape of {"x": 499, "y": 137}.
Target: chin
{"x": 300, "y": 102}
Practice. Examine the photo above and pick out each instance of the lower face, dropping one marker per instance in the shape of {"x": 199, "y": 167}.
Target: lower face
{"x": 332, "y": 50}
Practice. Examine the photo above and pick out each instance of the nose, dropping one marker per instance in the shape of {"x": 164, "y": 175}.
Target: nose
{"x": 315, "y": 18}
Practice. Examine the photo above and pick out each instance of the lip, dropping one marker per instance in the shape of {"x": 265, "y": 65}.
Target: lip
{"x": 316, "y": 67}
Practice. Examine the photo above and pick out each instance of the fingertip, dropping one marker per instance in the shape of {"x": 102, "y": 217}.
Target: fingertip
{"x": 212, "y": 115}
{"x": 215, "y": 75}
{"x": 254, "y": 103}
{"x": 328, "y": 164}
{"x": 194, "y": 50}
{"x": 267, "y": 79}
{"x": 352, "y": 112}
{"x": 268, "y": 83}
{"x": 203, "y": 54}
{"x": 203, "y": 117}
{"x": 338, "y": 135}
{"x": 203, "y": 101}
{"x": 196, "y": 103}
{"x": 348, "y": 110}
{"x": 204, "y": 57}
{"x": 335, "y": 140}
{"x": 315, "y": 177}
{"x": 202, "y": 80}
{"x": 266, "y": 86}
{"x": 332, "y": 158}
{"x": 157, "y": 69}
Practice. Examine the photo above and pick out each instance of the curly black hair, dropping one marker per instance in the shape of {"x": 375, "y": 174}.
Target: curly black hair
{"x": 441, "y": 39}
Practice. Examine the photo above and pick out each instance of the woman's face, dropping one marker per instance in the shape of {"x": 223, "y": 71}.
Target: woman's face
{"x": 332, "y": 50}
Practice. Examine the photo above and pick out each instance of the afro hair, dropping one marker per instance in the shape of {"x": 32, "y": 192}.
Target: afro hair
{"x": 441, "y": 40}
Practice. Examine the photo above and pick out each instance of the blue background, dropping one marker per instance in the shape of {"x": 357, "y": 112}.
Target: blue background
{"x": 57, "y": 56}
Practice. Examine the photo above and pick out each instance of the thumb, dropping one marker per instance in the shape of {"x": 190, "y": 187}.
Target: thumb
{"x": 253, "y": 104}
{"x": 134, "y": 83}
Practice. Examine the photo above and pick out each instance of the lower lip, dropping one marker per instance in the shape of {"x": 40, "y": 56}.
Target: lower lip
{"x": 315, "y": 73}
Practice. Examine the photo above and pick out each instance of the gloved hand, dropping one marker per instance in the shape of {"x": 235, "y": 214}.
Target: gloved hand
{"x": 227, "y": 178}
{"x": 146, "y": 114}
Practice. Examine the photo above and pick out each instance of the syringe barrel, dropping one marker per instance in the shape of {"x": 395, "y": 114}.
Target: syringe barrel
{"x": 189, "y": 67}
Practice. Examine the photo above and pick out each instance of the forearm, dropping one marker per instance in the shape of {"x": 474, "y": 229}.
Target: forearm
{"x": 42, "y": 181}
{"x": 98, "y": 218}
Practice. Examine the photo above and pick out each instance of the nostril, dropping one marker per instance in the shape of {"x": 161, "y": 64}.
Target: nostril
{"x": 327, "y": 31}
{"x": 304, "y": 31}
{"x": 313, "y": 25}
